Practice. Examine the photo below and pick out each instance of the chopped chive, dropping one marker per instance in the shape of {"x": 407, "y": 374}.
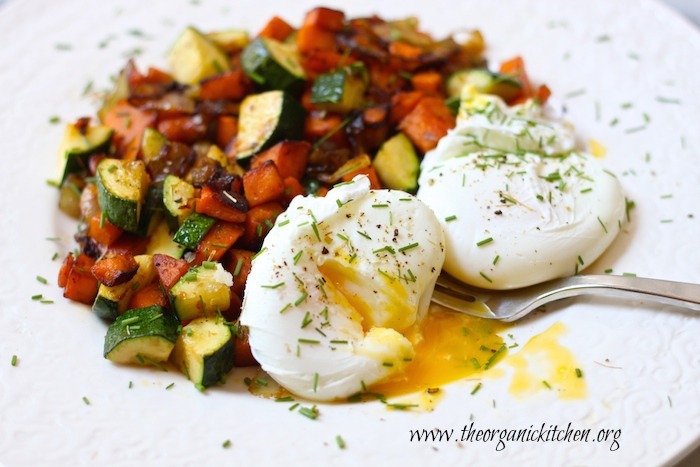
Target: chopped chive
{"x": 86, "y": 400}
{"x": 13, "y": 362}
{"x": 450, "y": 218}
{"x": 128, "y": 321}
{"x": 41, "y": 279}
{"x": 495, "y": 260}
{"x": 380, "y": 205}
{"x": 339, "y": 341}
{"x": 578, "y": 372}
{"x": 364, "y": 235}
{"x": 485, "y": 276}
{"x": 297, "y": 256}
{"x": 54, "y": 119}
{"x": 308, "y": 341}
{"x": 301, "y": 299}
{"x": 285, "y": 399}
{"x": 349, "y": 182}
{"x": 313, "y": 226}
{"x": 586, "y": 190}
{"x": 546, "y": 384}
{"x": 608, "y": 271}
{"x": 321, "y": 285}
{"x": 239, "y": 265}
{"x": 293, "y": 406}
{"x": 209, "y": 264}
{"x": 476, "y": 363}
{"x": 400, "y": 406}
{"x": 286, "y": 307}
{"x": 385, "y": 248}
{"x": 342, "y": 237}
{"x": 46, "y": 302}
{"x": 258, "y": 230}
{"x": 666, "y": 196}
{"x": 258, "y": 253}
{"x": 54, "y": 257}
{"x": 668, "y": 100}
{"x": 580, "y": 260}
{"x": 614, "y": 122}
{"x": 629, "y": 274}
{"x": 387, "y": 364}
{"x": 315, "y": 381}
{"x": 261, "y": 381}
{"x": 476, "y": 389}
{"x": 311, "y": 413}
{"x": 352, "y": 258}
{"x": 275, "y": 286}
{"x": 154, "y": 363}
{"x": 493, "y": 357}
{"x": 408, "y": 247}
{"x": 576, "y": 93}
{"x": 540, "y": 197}
{"x": 605, "y": 229}
{"x": 339, "y": 441}
{"x": 170, "y": 386}
{"x": 405, "y": 199}
{"x": 484, "y": 241}
{"x": 226, "y": 444}
{"x": 464, "y": 330}
{"x": 283, "y": 223}
{"x": 306, "y": 320}
{"x": 37, "y": 297}
{"x": 635, "y": 129}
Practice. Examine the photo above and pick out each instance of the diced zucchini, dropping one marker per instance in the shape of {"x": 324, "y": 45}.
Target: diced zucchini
{"x": 266, "y": 119}
{"x": 151, "y": 210}
{"x": 193, "y": 229}
{"x": 194, "y": 57}
{"x": 152, "y": 142}
{"x": 122, "y": 187}
{"x": 485, "y": 81}
{"x": 141, "y": 334}
{"x": 229, "y": 40}
{"x": 201, "y": 292}
{"x": 161, "y": 241}
{"x": 215, "y": 153}
{"x": 341, "y": 90}
{"x": 118, "y": 93}
{"x": 177, "y": 199}
{"x": 397, "y": 163}
{"x": 204, "y": 351}
{"x": 112, "y": 301}
{"x": 273, "y": 65}
{"x": 77, "y": 146}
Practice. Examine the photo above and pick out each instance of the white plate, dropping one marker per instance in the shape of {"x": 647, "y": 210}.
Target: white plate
{"x": 600, "y": 54}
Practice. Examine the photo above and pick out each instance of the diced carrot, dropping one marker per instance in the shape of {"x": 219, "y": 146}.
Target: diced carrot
{"x": 290, "y": 158}
{"x": 212, "y": 204}
{"x": 320, "y": 124}
{"x": 516, "y": 68}
{"x": 102, "y": 231}
{"x": 428, "y": 82}
{"x": 238, "y": 263}
{"x": 543, "y": 94}
{"x": 427, "y": 123}
{"x": 242, "y": 355}
{"x": 81, "y": 286}
{"x": 371, "y": 174}
{"x": 404, "y": 50}
{"x": 277, "y": 29}
{"x": 216, "y": 242}
{"x": 234, "y": 308}
{"x": 115, "y": 270}
{"x": 169, "y": 269}
{"x": 311, "y": 38}
{"x": 231, "y": 85}
{"x": 129, "y": 123}
{"x": 402, "y": 103}
{"x": 322, "y": 191}
{"x": 184, "y": 129}
{"x": 385, "y": 77}
{"x": 226, "y": 129}
{"x": 66, "y": 266}
{"x": 259, "y": 221}
{"x": 149, "y": 295}
{"x": 128, "y": 244}
{"x": 325, "y": 18}
{"x": 374, "y": 115}
{"x": 263, "y": 184}
{"x": 292, "y": 189}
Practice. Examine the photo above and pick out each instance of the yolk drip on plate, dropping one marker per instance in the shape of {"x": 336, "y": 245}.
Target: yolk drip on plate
{"x": 544, "y": 364}
{"x": 449, "y": 347}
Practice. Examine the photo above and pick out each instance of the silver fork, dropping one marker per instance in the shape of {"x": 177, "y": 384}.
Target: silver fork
{"x": 510, "y": 305}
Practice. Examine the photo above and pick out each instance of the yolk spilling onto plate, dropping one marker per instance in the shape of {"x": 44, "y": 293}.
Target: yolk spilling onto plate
{"x": 449, "y": 347}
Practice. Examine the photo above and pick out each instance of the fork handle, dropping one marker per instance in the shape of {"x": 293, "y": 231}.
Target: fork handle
{"x": 680, "y": 294}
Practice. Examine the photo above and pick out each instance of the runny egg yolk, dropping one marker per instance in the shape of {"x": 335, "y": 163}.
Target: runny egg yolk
{"x": 449, "y": 346}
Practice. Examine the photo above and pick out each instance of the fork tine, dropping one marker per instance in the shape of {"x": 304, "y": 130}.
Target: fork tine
{"x": 457, "y": 301}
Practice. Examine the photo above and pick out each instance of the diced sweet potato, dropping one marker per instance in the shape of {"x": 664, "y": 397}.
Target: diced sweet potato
{"x": 212, "y": 204}
{"x": 150, "y": 295}
{"x": 231, "y": 85}
{"x": 81, "y": 286}
{"x": 263, "y": 184}
{"x": 115, "y": 270}
{"x": 429, "y": 121}
{"x": 169, "y": 269}
{"x": 277, "y": 29}
{"x": 290, "y": 158}
{"x": 216, "y": 242}
{"x": 102, "y": 231}
{"x": 129, "y": 123}
{"x": 259, "y": 221}
{"x": 238, "y": 263}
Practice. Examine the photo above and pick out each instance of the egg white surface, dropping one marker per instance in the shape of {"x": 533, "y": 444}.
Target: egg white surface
{"x": 518, "y": 204}
{"x": 337, "y": 281}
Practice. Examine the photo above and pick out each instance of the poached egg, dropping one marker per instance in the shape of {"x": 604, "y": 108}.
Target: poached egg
{"x": 518, "y": 204}
{"x": 338, "y": 283}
